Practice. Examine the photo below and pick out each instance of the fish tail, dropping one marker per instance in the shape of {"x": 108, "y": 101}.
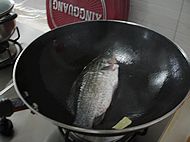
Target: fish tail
{"x": 99, "y": 119}
{"x": 84, "y": 121}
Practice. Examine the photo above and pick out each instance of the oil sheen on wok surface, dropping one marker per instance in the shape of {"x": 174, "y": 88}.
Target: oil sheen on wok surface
{"x": 153, "y": 75}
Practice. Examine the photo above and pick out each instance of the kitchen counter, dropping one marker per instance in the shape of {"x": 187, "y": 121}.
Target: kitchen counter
{"x": 178, "y": 129}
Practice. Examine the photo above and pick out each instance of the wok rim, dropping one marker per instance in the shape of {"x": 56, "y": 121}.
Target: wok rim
{"x": 94, "y": 131}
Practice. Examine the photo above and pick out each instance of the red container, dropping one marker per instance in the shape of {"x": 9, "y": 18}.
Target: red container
{"x": 61, "y": 12}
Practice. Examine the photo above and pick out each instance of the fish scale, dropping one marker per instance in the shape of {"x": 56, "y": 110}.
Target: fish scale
{"x": 93, "y": 90}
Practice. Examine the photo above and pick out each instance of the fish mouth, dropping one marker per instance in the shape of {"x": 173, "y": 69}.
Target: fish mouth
{"x": 115, "y": 66}
{"x": 111, "y": 65}
{"x": 113, "y": 61}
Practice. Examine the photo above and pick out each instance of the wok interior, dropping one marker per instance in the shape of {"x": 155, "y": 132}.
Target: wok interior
{"x": 153, "y": 74}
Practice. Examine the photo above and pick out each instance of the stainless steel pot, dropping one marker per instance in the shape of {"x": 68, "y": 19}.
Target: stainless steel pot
{"x": 7, "y": 19}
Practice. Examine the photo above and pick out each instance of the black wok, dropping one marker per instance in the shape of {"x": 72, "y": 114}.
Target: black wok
{"x": 154, "y": 74}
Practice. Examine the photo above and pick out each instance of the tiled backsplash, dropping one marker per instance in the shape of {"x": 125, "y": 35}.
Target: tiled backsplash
{"x": 170, "y": 18}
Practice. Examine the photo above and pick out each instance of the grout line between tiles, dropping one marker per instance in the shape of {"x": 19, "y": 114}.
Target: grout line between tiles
{"x": 178, "y": 20}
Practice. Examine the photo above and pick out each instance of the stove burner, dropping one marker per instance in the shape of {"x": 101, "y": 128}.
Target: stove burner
{"x": 129, "y": 137}
{"x": 9, "y": 51}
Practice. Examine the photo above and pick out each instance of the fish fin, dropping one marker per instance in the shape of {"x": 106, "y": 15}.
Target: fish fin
{"x": 70, "y": 104}
{"x": 72, "y": 98}
{"x": 74, "y": 94}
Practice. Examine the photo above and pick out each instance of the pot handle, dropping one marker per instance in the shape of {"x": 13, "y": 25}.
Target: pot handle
{"x": 10, "y": 105}
{"x": 7, "y": 107}
{"x": 8, "y": 17}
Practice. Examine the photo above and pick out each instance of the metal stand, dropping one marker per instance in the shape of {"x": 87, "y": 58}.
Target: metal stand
{"x": 127, "y": 138}
{"x": 11, "y": 58}
{"x": 65, "y": 134}
{"x": 15, "y": 42}
{"x": 138, "y": 133}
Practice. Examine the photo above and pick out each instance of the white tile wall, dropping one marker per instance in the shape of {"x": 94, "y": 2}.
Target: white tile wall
{"x": 183, "y": 37}
{"x": 183, "y": 31}
{"x": 185, "y": 15}
{"x": 168, "y": 17}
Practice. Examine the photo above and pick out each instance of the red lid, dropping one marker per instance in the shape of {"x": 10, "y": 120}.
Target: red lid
{"x": 60, "y": 12}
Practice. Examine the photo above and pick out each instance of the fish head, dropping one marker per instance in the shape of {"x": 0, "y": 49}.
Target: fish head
{"x": 109, "y": 63}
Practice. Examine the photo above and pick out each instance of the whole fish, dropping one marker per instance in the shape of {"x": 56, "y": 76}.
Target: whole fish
{"x": 92, "y": 92}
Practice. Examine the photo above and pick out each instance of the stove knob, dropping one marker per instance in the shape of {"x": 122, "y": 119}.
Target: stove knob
{"x": 6, "y": 127}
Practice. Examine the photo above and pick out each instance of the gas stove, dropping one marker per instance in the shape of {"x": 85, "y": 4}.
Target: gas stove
{"x": 9, "y": 50}
{"x": 32, "y": 128}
